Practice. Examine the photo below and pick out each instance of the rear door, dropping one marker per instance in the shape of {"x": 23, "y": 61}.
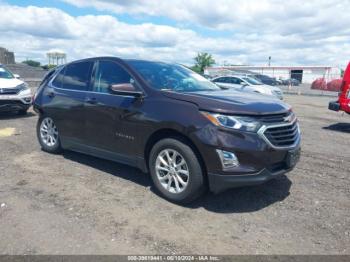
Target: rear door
{"x": 110, "y": 122}
{"x": 65, "y": 98}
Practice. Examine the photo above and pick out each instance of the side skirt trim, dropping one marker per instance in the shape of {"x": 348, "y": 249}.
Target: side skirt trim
{"x": 77, "y": 146}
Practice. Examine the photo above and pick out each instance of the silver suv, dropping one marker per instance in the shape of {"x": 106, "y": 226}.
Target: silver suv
{"x": 15, "y": 95}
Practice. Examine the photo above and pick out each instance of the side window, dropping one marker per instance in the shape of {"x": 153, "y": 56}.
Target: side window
{"x": 221, "y": 80}
{"x": 235, "y": 80}
{"x": 77, "y": 76}
{"x": 49, "y": 76}
{"x": 57, "y": 82}
{"x": 109, "y": 73}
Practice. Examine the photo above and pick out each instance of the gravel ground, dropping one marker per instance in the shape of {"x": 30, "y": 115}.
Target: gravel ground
{"x": 76, "y": 204}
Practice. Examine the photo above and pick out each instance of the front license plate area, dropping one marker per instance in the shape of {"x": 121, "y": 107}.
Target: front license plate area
{"x": 293, "y": 157}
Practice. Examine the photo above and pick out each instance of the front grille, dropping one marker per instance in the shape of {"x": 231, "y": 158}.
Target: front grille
{"x": 10, "y": 102}
{"x": 282, "y": 136}
{"x": 9, "y": 91}
{"x": 273, "y": 119}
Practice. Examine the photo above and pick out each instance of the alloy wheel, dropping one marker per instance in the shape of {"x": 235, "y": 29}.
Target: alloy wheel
{"x": 48, "y": 132}
{"x": 172, "y": 171}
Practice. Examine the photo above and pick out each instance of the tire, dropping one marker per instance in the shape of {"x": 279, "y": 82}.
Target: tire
{"x": 48, "y": 145}
{"x": 195, "y": 179}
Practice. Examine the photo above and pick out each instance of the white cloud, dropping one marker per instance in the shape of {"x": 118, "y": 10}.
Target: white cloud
{"x": 279, "y": 16}
{"x": 267, "y": 28}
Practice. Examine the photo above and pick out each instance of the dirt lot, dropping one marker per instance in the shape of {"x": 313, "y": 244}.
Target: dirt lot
{"x": 76, "y": 204}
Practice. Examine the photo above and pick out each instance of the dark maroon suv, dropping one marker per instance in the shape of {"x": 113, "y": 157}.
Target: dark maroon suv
{"x": 169, "y": 121}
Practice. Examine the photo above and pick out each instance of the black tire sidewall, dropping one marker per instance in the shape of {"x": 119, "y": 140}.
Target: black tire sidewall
{"x": 196, "y": 179}
{"x": 50, "y": 149}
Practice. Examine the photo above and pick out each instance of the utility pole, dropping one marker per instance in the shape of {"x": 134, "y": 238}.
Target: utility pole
{"x": 269, "y": 60}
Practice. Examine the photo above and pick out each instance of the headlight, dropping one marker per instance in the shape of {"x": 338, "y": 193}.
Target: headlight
{"x": 22, "y": 87}
{"x": 243, "y": 123}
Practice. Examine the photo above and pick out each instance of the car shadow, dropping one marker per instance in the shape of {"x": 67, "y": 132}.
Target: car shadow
{"x": 238, "y": 200}
{"x": 339, "y": 127}
{"x": 246, "y": 199}
{"x": 14, "y": 115}
{"x": 113, "y": 168}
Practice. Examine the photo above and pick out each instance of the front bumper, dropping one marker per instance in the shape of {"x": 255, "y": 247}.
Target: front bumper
{"x": 258, "y": 160}
{"x": 21, "y": 101}
{"x": 334, "y": 106}
{"x": 13, "y": 105}
{"x": 219, "y": 182}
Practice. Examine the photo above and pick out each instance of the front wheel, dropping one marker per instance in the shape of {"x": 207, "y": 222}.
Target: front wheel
{"x": 176, "y": 171}
{"x": 48, "y": 135}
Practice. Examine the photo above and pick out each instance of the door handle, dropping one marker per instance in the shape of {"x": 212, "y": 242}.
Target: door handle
{"x": 91, "y": 100}
{"x": 51, "y": 94}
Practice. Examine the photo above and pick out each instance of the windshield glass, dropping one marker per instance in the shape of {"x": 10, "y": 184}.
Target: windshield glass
{"x": 252, "y": 81}
{"x": 163, "y": 76}
{"x": 5, "y": 74}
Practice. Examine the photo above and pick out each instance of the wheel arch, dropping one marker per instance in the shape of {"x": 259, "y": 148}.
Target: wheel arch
{"x": 175, "y": 134}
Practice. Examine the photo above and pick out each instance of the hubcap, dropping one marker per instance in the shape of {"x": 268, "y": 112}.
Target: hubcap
{"x": 48, "y": 132}
{"x": 172, "y": 171}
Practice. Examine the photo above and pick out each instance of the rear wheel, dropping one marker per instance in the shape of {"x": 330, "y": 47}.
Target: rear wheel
{"x": 176, "y": 171}
{"x": 48, "y": 135}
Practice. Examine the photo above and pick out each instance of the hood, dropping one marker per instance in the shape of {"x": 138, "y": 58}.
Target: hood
{"x": 10, "y": 83}
{"x": 232, "y": 102}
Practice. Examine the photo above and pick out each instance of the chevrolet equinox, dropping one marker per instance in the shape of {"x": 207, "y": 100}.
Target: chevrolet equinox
{"x": 169, "y": 121}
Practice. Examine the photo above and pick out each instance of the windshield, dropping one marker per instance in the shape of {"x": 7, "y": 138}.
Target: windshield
{"x": 5, "y": 74}
{"x": 252, "y": 81}
{"x": 163, "y": 76}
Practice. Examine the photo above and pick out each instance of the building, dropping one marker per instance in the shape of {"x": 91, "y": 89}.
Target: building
{"x": 6, "y": 57}
{"x": 305, "y": 74}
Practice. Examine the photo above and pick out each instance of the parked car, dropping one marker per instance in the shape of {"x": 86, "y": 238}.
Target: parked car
{"x": 265, "y": 79}
{"x": 15, "y": 95}
{"x": 291, "y": 81}
{"x": 169, "y": 121}
{"x": 343, "y": 102}
{"x": 247, "y": 84}
{"x": 279, "y": 82}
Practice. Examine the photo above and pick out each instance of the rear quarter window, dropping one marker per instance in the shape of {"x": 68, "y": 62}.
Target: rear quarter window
{"x": 75, "y": 76}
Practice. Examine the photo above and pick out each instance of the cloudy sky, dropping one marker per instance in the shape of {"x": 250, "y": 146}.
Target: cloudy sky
{"x": 298, "y": 32}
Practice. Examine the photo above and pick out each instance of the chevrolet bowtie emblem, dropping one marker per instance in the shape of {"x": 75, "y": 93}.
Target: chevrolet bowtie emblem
{"x": 288, "y": 118}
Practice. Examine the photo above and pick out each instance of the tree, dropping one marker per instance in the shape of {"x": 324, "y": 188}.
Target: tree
{"x": 31, "y": 63}
{"x": 48, "y": 67}
{"x": 202, "y": 60}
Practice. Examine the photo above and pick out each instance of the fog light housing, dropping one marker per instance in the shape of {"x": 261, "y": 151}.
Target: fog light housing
{"x": 228, "y": 159}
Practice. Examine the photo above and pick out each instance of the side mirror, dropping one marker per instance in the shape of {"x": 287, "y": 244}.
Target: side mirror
{"x": 244, "y": 84}
{"x": 125, "y": 89}
{"x": 16, "y": 76}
